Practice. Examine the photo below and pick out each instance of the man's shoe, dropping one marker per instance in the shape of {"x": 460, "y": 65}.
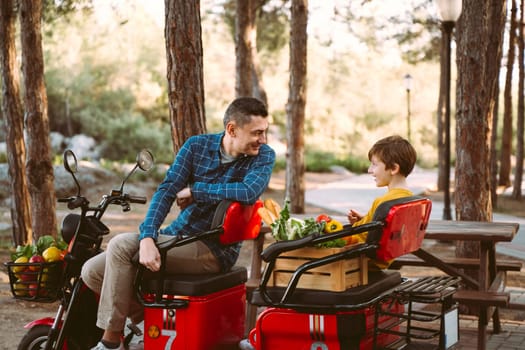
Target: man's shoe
{"x": 101, "y": 346}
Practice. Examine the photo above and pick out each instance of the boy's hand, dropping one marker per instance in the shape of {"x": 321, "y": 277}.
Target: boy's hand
{"x": 353, "y": 216}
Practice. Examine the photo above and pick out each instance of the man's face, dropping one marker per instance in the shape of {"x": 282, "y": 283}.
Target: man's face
{"x": 249, "y": 138}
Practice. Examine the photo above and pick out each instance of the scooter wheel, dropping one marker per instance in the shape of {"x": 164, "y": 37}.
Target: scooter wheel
{"x": 35, "y": 338}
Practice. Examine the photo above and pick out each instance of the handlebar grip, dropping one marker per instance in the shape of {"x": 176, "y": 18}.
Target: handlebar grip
{"x": 137, "y": 199}
{"x": 63, "y": 200}
{"x": 75, "y": 203}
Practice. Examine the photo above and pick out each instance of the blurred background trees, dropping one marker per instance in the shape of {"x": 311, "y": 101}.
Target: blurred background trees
{"x": 106, "y": 77}
{"x": 105, "y": 69}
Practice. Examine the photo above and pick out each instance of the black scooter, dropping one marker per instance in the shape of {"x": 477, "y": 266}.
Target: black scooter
{"x": 73, "y": 326}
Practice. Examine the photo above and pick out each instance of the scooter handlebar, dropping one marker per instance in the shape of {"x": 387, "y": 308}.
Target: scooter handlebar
{"x": 136, "y": 199}
{"x": 73, "y": 202}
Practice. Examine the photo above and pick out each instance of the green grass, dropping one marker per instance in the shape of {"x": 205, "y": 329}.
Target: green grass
{"x": 321, "y": 162}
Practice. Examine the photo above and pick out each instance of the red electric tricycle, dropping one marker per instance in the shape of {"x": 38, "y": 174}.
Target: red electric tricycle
{"x": 203, "y": 312}
{"x": 207, "y": 312}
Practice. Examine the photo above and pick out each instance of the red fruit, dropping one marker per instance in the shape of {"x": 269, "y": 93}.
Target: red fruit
{"x": 323, "y": 217}
{"x": 32, "y": 289}
{"x": 28, "y": 276}
{"x": 37, "y": 259}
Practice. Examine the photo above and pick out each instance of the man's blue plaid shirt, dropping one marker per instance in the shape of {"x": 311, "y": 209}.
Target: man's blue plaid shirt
{"x": 198, "y": 165}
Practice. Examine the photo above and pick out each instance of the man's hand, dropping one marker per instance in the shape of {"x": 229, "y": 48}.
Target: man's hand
{"x": 149, "y": 255}
{"x": 184, "y": 198}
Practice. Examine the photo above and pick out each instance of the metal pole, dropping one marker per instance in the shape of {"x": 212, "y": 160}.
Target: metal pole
{"x": 447, "y": 31}
{"x": 408, "y": 115}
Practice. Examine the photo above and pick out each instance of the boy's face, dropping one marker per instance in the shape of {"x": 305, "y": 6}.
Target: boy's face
{"x": 378, "y": 170}
{"x": 249, "y": 138}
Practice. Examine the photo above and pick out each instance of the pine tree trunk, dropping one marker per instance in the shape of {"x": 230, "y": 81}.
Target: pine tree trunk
{"x": 295, "y": 165}
{"x": 184, "y": 70}
{"x": 13, "y": 114}
{"x": 40, "y": 173}
{"x": 475, "y": 102}
{"x": 244, "y": 42}
{"x": 518, "y": 174}
{"x": 258, "y": 90}
{"x": 506, "y": 133}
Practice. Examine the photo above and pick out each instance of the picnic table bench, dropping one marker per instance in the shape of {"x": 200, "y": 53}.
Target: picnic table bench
{"x": 488, "y": 292}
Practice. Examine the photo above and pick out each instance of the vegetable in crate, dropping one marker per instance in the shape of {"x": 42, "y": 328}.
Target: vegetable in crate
{"x": 286, "y": 228}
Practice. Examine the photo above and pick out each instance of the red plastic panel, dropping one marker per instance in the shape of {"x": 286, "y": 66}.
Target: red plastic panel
{"x": 289, "y": 329}
{"x": 241, "y": 222}
{"x": 404, "y": 229}
{"x": 215, "y": 321}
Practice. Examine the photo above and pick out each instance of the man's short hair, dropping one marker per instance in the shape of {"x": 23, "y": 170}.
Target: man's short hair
{"x": 395, "y": 150}
{"x": 242, "y": 109}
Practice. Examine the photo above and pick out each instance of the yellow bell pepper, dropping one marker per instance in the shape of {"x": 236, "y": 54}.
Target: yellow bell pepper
{"x": 333, "y": 226}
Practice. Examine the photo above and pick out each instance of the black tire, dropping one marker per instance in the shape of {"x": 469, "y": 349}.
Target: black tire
{"x": 35, "y": 338}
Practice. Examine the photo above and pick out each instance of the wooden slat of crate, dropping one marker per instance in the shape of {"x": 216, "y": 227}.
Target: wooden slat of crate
{"x": 336, "y": 276}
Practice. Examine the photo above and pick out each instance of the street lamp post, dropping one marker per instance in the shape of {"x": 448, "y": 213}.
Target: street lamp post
{"x": 449, "y": 11}
{"x": 408, "y": 87}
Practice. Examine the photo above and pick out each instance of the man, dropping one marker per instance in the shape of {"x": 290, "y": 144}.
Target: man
{"x": 235, "y": 164}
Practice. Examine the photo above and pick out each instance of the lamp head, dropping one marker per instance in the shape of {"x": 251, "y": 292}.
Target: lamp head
{"x": 408, "y": 81}
{"x": 449, "y": 10}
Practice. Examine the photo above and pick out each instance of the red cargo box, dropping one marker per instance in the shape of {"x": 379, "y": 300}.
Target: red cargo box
{"x": 214, "y": 321}
{"x": 288, "y": 329}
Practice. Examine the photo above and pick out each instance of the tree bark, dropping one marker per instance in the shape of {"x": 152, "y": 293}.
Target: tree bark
{"x": 494, "y": 152}
{"x": 13, "y": 113}
{"x": 258, "y": 90}
{"x": 295, "y": 165}
{"x": 518, "y": 174}
{"x": 479, "y": 36}
{"x": 244, "y": 44}
{"x": 39, "y": 165}
{"x": 184, "y": 70}
{"x": 506, "y": 133}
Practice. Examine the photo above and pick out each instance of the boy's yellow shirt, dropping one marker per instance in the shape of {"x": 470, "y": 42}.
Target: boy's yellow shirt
{"x": 394, "y": 193}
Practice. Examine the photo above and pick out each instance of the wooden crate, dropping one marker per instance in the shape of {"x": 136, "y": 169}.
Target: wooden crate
{"x": 336, "y": 276}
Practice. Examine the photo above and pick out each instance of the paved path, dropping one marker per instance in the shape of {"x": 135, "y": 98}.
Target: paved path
{"x": 359, "y": 191}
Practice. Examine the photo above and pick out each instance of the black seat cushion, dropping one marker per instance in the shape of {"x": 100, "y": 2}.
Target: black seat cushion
{"x": 195, "y": 285}
{"x": 378, "y": 282}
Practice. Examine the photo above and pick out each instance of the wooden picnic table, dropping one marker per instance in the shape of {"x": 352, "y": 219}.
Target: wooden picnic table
{"x": 487, "y": 234}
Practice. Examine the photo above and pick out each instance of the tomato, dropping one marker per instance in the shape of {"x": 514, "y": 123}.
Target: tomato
{"x": 323, "y": 217}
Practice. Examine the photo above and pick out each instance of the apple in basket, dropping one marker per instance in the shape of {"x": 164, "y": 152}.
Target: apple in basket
{"x": 36, "y": 259}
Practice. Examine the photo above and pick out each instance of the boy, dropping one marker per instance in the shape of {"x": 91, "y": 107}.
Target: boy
{"x": 391, "y": 161}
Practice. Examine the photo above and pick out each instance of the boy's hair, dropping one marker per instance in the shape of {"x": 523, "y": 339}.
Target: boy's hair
{"x": 395, "y": 150}
{"x": 242, "y": 109}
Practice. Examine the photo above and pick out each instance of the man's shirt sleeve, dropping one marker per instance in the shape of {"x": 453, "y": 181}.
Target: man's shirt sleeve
{"x": 246, "y": 191}
{"x": 176, "y": 179}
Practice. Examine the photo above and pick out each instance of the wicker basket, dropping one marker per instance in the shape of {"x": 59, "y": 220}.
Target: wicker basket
{"x": 39, "y": 282}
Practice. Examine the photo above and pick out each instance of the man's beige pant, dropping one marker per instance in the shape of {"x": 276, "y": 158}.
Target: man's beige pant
{"x": 111, "y": 274}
